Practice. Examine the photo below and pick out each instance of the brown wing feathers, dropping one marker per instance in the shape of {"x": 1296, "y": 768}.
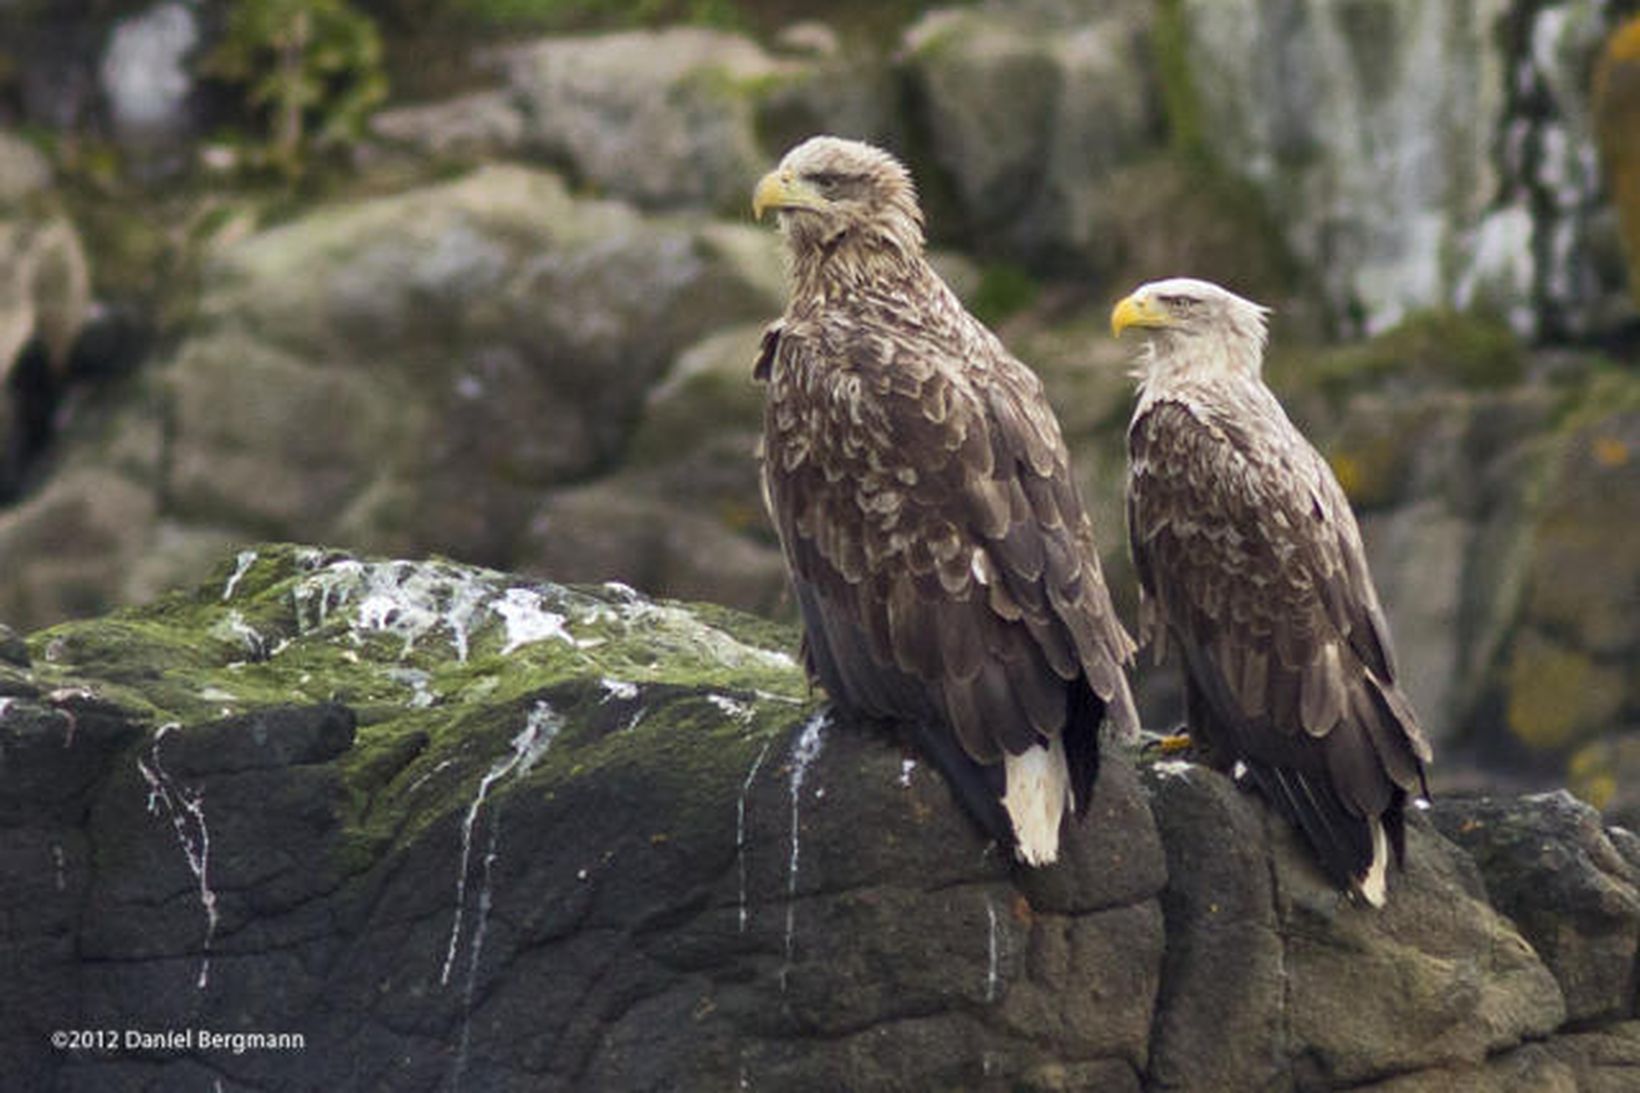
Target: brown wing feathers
{"x": 922, "y": 493}
{"x": 960, "y": 567}
{"x": 1258, "y": 570}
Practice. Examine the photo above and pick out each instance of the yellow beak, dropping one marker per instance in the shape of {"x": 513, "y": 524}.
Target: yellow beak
{"x": 780, "y": 189}
{"x": 1137, "y": 311}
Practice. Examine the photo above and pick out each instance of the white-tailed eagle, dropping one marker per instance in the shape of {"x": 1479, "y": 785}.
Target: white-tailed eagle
{"x": 1251, "y": 567}
{"x": 942, "y": 561}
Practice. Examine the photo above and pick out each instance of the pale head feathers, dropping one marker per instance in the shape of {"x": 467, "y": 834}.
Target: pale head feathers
{"x": 1192, "y": 328}
{"x": 846, "y": 208}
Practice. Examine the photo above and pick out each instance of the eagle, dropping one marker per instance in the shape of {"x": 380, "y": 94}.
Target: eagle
{"x": 938, "y": 549}
{"x": 1250, "y": 563}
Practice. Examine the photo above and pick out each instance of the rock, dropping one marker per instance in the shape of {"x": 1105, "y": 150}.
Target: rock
{"x": 683, "y": 516}
{"x": 23, "y": 170}
{"x": 45, "y": 304}
{"x": 265, "y": 739}
{"x": 1550, "y": 180}
{"x": 428, "y": 371}
{"x": 46, "y": 290}
{"x": 1570, "y": 667}
{"x": 1027, "y": 115}
{"x": 709, "y": 874}
{"x": 810, "y": 37}
{"x": 455, "y": 828}
{"x": 1581, "y": 577}
{"x": 70, "y": 546}
{"x": 146, "y": 80}
{"x": 1552, "y": 869}
{"x": 1616, "y": 103}
{"x": 627, "y": 528}
{"x": 1606, "y": 773}
{"x": 1558, "y": 696}
{"x": 1419, "y": 554}
{"x": 662, "y": 118}
{"x": 1257, "y": 957}
{"x": 1604, "y": 1061}
{"x": 52, "y": 62}
{"x": 54, "y": 745}
{"x": 1223, "y": 966}
{"x": 704, "y": 416}
{"x": 1179, "y": 211}
{"x": 1528, "y": 1069}
{"x": 424, "y": 365}
{"x": 13, "y": 650}
{"x": 482, "y": 124}
{"x": 823, "y": 88}
{"x": 1379, "y": 143}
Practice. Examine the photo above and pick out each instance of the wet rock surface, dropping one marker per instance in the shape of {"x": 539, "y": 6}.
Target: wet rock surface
{"x": 463, "y": 830}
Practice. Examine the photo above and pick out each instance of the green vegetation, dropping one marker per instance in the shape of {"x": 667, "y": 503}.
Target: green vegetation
{"x": 311, "y": 71}
{"x": 1442, "y": 346}
{"x": 1170, "y": 46}
{"x": 1004, "y": 289}
{"x": 858, "y": 20}
{"x": 573, "y": 14}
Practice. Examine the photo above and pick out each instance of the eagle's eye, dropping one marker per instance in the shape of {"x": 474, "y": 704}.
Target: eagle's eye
{"x": 1179, "y": 305}
{"x": 833, "y": 184}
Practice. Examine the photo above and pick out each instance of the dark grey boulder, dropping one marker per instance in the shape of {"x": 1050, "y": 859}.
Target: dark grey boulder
{"x": 453, "y": 829}
{"x": 1552, "y": 868}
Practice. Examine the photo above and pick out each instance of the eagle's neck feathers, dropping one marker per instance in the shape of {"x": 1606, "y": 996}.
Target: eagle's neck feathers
{"x": 836, "y": 267}
{"x": 1219, "y": 380}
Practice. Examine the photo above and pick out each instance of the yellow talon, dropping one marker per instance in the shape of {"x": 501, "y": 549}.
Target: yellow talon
{"x": 1173, "y": 745}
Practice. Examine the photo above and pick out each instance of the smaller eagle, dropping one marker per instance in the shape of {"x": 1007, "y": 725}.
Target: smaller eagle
{"x": 1250, "y": 564}
{"x": 941, "y": 558}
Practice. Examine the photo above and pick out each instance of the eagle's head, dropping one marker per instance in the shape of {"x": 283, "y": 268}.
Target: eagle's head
{"x": 1195, "y": 324}
{"x": 842, "y": 198}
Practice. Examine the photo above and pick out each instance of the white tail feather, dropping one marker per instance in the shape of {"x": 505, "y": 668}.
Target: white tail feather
{"x": 1373, "y": 886}
{"x": 1038, "y": 793}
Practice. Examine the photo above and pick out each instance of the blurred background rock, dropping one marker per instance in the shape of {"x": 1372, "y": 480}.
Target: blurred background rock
{"x": 475, "y": 277}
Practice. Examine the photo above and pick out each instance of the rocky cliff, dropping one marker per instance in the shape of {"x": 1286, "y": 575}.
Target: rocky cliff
{"x": 442, "y": 828}
{"x": 514, "y": 327}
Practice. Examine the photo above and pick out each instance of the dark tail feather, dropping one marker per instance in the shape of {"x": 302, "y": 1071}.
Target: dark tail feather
{"x": 1394, "y": 820}
{"x": 1342, "y": 841}
{"x": 1084, "y": 712}
{"x": 978, "y": 789}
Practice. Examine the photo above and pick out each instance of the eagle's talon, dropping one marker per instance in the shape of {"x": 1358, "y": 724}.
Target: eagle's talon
{"x": 1173, "y": 744}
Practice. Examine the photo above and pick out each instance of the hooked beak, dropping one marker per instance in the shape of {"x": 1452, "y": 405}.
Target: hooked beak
{"x": 781, "y": 189}
{"x": 1137, "y": 310}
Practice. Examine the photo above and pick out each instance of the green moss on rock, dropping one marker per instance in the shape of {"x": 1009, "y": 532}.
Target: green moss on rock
{"x": 1446, "y": 348}
{"x": 1558, "y": 696}
{"x": 464, "y": 682}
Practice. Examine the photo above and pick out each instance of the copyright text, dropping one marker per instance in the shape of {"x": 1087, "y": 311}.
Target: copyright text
{"x": 114, "y": 1040}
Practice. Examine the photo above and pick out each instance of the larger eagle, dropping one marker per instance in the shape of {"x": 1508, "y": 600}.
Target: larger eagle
{"x": 1250, "y": 563}
{"x": 941, "y": 558}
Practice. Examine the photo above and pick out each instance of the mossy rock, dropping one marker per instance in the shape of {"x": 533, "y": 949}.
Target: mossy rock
{"x": 1431, "y": 349}
{"x": 439, "y": 661}
{"x": 1373, "y": 453}
{"x": 1616, "y": 96}
{"x": 1180, "y": 211}
{"x": 708, "y": 392}
{"x": 1559, "y": 696}
{"x": 1584, "y": 574}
